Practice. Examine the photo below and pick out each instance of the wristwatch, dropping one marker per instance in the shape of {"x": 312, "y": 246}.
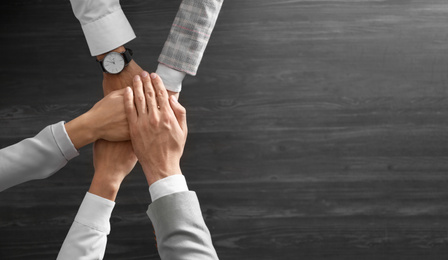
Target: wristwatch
{"x": 114, "y": 62}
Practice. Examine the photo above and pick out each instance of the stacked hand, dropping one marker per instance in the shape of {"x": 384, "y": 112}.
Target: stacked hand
{"x": 158, "y": 127}
{"x": 113, "y": 161}
{"x": 145, "y": 119}
{"x": 105, "y": 120}
{"x": 146, "y": 114}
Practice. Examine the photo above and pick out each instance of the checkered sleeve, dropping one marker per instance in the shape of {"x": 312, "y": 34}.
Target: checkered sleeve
{"x": 189, "y": 34}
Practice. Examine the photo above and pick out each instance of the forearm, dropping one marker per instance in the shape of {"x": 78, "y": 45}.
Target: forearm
{"x": 189, "y": 35}
{"x": 104, "y": 24}
{"x": 180, "y": 229}
{"x": 172, "y": 79}
{"x": 176, "y": 217}
{"x": 36, "y": 158}
{"x": 104, "y": 186}
{"x": 87, "y": 237}
{"x": 81, "y": 131}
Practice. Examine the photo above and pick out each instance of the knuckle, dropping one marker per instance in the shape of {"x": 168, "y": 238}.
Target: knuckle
{"x": 153, "y": 121}
{"x": 182, "y": 110}
{"x": 167, "y": 123}
{"x": 166, "y": 127}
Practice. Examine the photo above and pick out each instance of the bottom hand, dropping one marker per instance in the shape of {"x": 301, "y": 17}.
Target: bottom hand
{"x": 113, "y": 161}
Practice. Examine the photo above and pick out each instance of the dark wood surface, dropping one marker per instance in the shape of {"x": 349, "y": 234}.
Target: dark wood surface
{"x": 318, "y": 129}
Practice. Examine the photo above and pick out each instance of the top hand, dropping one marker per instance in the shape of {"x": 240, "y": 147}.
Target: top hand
{"x": 158, "y": 127}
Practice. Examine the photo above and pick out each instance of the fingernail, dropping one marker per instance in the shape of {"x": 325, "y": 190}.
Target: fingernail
{"x": 153, "y": 75}
{"x": 128, "y": 89}
{"x": 144, "y": 74}
{"x": 174, "y": 99}
{"x": 137, "y": 78}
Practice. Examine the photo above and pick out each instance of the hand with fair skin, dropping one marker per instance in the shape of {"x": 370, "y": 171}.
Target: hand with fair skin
{"x": 157, "y": 125}
{"x": 105, "y": 120}
{"x": 113, "y": 161}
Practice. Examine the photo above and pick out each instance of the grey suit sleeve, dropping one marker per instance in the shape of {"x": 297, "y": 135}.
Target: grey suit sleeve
{"x": 180, "y": 228}
{"x": 189, "y": 34}
{"x": 36, "y": 158}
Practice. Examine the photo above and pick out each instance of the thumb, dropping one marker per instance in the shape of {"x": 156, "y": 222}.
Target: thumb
{"x": 180, "y": 112}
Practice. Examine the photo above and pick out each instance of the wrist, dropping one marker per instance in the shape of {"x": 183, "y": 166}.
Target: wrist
{"x": 171, "y": 93}
{"x": 104, "y": 186}
{"x": 92, "y": 125}
{"x": 80, "y": 131}
{"x": 172, "y": 78}
{"x": 152, "y": 175}
{"x": 113, "y": 82}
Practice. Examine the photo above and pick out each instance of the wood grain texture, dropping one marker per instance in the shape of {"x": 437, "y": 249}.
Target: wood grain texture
{"x": 318, "y": 129}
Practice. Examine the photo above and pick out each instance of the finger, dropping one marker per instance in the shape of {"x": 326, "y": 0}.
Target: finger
{"x": 159, "y": 88}
{"x": 149, "y": 92}
{"x": 131, "y": 112}
{"x": 180, "y": 112}
{"x": 139, "y": 96}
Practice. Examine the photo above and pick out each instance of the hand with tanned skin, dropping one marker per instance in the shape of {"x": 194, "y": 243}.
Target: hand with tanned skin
{"x": 112, "y": 162}
{"x": 105, "y": 120}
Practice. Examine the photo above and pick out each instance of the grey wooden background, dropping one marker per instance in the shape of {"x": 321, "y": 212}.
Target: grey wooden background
{"x": 318, "y": 129}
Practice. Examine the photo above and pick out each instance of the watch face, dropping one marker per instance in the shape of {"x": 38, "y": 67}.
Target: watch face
{"x": 113, "y": 62}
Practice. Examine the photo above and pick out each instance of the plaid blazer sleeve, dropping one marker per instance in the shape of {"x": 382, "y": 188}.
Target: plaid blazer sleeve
{"x": 189, "y": 34}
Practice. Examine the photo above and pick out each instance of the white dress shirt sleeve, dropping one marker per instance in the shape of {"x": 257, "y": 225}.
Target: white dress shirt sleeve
{"x": 104, "y": 24}
{"x": 106, "y": 27}
{"x": 87, "y": 237}
{"x": 36, "y": 158}
{"x": 167, "y": 186}
{"x": 172, "y": 79}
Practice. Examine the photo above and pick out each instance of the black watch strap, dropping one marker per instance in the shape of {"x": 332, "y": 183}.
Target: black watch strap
{"x": 100, "y": 63}
{"x": 127, "y": 55}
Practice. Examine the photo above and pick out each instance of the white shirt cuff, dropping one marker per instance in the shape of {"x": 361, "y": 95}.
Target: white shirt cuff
{"x": 95, "y": 212}
{"x": 172, "y": 79}
{"x": 108, "y": 33}
{"x": 166, "y": 186}
{"x": 63, "y": 141}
